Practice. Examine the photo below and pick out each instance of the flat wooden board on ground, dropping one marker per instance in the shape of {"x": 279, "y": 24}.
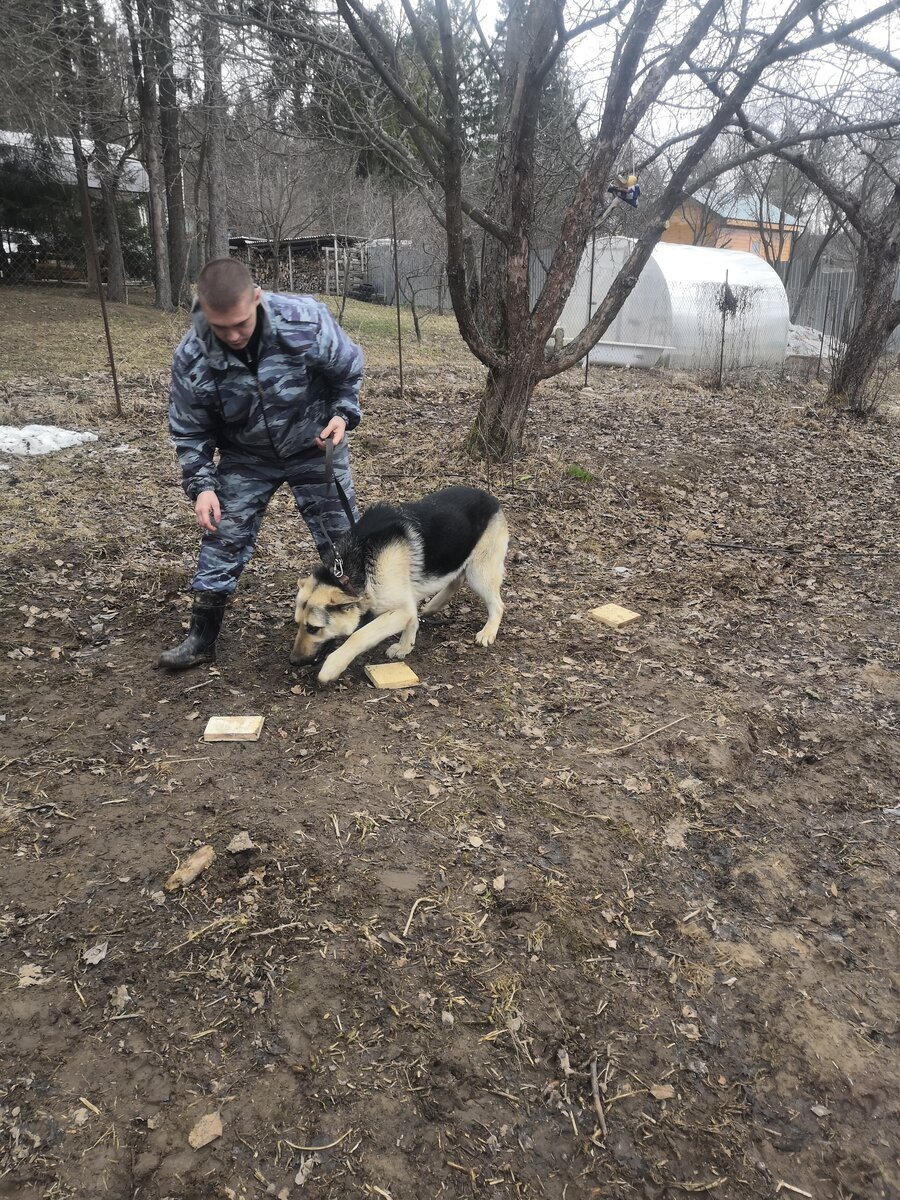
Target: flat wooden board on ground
{"x": 392, "y": 675}
{"x": 233, "y": 729}
{"x": 613, "y": 615}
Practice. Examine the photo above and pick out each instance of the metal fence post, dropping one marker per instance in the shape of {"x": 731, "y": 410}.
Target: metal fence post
{"x": 722, "y": 343}
{"x": 397, "y": 292}
{"x": 587, "y": 357}
{"x": 824, "y": 327}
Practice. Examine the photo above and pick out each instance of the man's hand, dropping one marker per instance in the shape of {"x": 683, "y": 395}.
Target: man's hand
{"x": 333, "y": 431}
{"x": 208, "y": 511}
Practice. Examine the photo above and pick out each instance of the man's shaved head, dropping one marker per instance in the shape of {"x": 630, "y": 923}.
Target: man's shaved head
{"x": 223, "y": 283}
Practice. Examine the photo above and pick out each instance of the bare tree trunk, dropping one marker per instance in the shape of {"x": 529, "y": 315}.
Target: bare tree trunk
{"x": 199, "y": 234}
{"x": 500, "y": 424}
{"x": 530, "y": 30}
{"x": 93, "y": 282}
{"x": 116, "y": 286}
{"x": 877, "y": 316}
{"x": 345, "y": 290}
{"x": 144, "y": 69}
{"x": 415, "y": 315}
{"x": 276, "y": 262}
{"x": 506, "y": 267}
{"x": 169, "y": 117}
{"x": 473, "y": 276}
{"x": 115, "y": 260}
{"x": 94, "y": 109}
{"x": 214, "y": 102}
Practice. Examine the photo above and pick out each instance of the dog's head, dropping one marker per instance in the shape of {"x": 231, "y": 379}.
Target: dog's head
{"x": 324, "y": 613}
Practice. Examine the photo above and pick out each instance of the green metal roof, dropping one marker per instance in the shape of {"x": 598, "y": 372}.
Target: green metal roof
{"x": 747, "y": 208}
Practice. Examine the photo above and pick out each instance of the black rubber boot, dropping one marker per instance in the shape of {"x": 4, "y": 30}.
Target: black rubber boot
{"x": 200, "y": 644}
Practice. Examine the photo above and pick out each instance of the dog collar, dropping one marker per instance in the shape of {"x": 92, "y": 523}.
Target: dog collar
{"x": 337, "y": 570}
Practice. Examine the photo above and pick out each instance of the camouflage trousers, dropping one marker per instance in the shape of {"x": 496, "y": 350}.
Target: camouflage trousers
{"x": 245, "y": 487}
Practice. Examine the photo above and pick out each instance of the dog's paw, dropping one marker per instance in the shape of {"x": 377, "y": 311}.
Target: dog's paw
{"x": 486, "y": 636}
{"x": 330, "y": 670}
{"x": 396, "y": 651}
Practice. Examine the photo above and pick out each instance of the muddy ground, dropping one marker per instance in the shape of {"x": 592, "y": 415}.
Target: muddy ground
{"x": 587, "y": 914}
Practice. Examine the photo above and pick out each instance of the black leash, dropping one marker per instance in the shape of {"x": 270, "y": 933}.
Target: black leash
{"x": 337, "y": 566}
{"x": 331, "y": 478}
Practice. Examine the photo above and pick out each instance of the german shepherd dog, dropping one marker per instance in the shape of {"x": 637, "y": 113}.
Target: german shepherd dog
{"x": 392, "y": 560}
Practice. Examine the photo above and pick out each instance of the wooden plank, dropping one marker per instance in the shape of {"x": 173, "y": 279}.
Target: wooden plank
{"x": 392, "y": 675}
{"x": 233, "y": 729}
{"x": 614, "y": 615}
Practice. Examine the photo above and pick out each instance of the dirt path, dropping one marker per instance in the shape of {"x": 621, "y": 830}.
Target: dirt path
{"x": 587, "y": 914}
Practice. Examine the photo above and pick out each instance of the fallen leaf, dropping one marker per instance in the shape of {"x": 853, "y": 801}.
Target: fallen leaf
{"x": 307, "y": 1166}
{"x": 499, "y": 883}
{"x": 662, "y": 1091}
{"x": 690, "y": 1031}
{"x": 96, "y": 954}
{"x": 32, "y": 975}
{"x": 119, "y": 997}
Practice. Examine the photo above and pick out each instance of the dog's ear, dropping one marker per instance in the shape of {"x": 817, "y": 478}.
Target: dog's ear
{"x": 304, "y": 591}
{"x": 338, "y": 598}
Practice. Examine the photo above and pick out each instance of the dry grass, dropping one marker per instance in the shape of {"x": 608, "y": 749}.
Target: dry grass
{"x": 51, "y": 331}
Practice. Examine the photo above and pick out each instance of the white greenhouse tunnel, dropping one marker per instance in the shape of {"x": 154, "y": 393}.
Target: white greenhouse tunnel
{"x": 674, "y": 315}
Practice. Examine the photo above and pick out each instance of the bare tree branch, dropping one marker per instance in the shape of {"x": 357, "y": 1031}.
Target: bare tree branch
{"x": 825, "y": 36}
{"x": 566, "y": 36}
{"x": 779, "y": 144}
{"x": 882, "y": 56}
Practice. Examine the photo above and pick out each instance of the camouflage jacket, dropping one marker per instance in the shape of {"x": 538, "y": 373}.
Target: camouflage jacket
{"x": 308, "y": 371}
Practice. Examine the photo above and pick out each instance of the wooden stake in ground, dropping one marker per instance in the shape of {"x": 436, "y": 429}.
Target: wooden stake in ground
{"x": 95, "y": 257}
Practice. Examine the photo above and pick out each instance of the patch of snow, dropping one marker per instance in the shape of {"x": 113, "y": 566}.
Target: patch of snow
{"x": 40, "y": 439}
{"x": 804, "y": 342}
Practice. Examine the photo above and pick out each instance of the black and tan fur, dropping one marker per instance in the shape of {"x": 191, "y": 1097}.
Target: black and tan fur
{"x": 395, "y": 558}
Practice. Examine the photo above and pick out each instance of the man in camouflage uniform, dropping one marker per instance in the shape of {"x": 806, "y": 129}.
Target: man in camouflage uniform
{"x": 264, "y": 380}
